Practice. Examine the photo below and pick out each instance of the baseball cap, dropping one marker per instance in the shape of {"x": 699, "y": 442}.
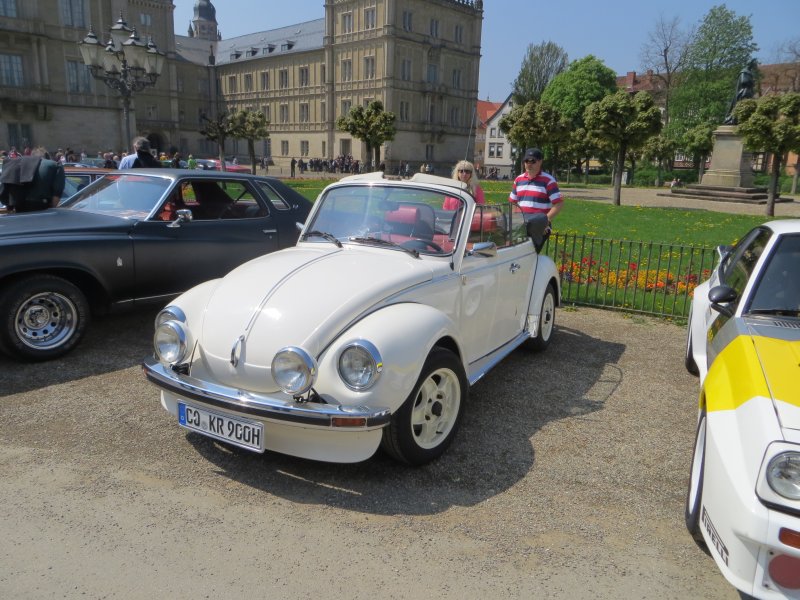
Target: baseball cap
{"x": 533, "y": 154}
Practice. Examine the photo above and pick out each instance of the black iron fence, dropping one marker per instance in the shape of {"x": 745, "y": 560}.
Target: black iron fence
{"x": 641, "y": 277}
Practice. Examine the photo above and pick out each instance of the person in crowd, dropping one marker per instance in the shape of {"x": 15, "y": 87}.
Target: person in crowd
{"x": 535, "y": 191}
{"x": 32, "y": 183}
{"x": 108, "y": 161}
{"x": 464, "y": 171}
{"x": 140, "y": 157}
{"x": 192, "y": 162}
{"x": 293, "y": 166}
{"x": 175, "y": 163}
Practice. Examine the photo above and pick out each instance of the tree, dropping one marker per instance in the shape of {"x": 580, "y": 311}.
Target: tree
{"x": 251, "y": 126}
{"x": 218, "y": 129}
{"x": 371, "y": 125}
{"x": 621, "y": 123}
{"x": 665, "y": 55}
{"x": 541, "y": 64}
{"x": 771, "y": 124}
{"x": 721, "y": 47}
{"x": 698, "y": 142}
{"x": 536, "y": 124}
{"x": 659, "y": 149}
{"x": 585, "y": 81}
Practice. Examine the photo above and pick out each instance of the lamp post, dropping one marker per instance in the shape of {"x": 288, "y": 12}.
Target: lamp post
{"x": 125, "y": 64}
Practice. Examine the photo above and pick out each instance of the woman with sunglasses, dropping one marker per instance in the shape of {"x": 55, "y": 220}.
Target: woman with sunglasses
{"x": 464, "y": 172}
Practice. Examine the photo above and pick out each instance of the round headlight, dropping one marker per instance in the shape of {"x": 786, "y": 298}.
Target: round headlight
{"x": 360, "y": 365}
{"x": 170, "y": 313}
{"x": 783, "y": 475}
{"x": 294, "y": 370}
{"x": 171, "y": 342}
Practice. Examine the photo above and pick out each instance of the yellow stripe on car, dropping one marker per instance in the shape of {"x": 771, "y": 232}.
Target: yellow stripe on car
{"x": 781, "y": 362}
{"x": 735, "y": 376}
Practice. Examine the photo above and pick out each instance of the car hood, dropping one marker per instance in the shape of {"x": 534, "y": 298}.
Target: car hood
{"x": 302, "y": 296}
{"x": 780, "y": 363}
{"x": 56, "y": 221}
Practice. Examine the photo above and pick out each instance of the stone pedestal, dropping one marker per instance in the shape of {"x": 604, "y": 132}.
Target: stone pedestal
{"x": 731, "y": 164}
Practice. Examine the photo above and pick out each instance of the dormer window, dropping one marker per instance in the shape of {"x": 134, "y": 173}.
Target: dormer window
{"x": 287, "y": 45}
{"x": 236, "y": 55}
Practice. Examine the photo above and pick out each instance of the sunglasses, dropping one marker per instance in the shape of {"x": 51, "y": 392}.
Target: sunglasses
{"x": 530, "y": 160}
{"x": 468, "y": 171}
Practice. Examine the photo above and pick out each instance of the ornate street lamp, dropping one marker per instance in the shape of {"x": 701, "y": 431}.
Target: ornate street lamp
{"x": 125, "y": 63}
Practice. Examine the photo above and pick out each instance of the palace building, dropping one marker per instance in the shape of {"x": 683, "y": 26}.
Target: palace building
{"x": 419, "y": 57}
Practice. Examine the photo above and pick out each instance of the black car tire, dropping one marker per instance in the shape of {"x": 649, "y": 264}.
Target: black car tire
{"x": 547, "y": 322}
{"x": 694, "y": 492}
{"x": 44, "y": 317}
{"x": 426, "y": 423}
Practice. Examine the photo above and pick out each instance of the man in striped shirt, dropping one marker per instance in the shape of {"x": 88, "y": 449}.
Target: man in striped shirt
{"x": 536, "y": 191}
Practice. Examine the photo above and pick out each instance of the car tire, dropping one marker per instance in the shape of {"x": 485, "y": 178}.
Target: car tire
{"x": 44, "y": 317}
{"x": 426, "y": 423}
{"x": 547, "y": 321}
{"x": 688, "y": 361}
{"x": 694, "y": 493}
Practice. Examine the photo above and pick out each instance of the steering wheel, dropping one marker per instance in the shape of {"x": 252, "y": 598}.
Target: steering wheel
{"x": 418, "y": 244}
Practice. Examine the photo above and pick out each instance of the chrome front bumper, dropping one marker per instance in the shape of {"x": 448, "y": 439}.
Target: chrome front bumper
{"x": 261, "y": 406}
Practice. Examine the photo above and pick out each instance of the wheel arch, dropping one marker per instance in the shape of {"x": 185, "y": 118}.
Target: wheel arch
{"x": 96, "y": 295}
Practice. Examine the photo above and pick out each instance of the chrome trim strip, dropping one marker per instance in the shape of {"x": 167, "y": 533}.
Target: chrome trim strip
{"x": 483, "y": 365}
{"x": 259, "y": 405}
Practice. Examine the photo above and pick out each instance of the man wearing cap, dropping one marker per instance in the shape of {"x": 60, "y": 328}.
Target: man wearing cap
{"x": 536, "y": 191}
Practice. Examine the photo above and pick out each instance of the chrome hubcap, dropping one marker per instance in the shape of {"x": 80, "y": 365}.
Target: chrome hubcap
{"x": 46, "y": 320}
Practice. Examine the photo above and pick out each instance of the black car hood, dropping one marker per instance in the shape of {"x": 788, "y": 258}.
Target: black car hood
{"x": 56, "y": 221}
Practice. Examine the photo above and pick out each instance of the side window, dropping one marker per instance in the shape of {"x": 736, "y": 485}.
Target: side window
{"x": 489, "y": 225}
{"x": 278, "y": 202}
{"x": 219, "y": 199}
{"x": 744, "y": 259}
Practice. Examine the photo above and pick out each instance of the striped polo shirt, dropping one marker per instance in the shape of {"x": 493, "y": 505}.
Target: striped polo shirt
{"x": 537, "y": 195}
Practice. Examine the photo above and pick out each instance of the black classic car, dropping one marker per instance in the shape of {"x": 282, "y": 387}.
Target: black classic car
{"x": 133, "y": 237}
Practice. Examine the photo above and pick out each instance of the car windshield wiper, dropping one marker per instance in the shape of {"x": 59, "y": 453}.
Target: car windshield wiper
{"x": 783, "y": 312}
{"x": 323, "y": 234}
{"x": 387, "y": 243}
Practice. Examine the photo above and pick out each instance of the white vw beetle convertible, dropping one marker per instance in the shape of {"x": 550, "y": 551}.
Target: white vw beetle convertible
{"x": 368, "y": 332}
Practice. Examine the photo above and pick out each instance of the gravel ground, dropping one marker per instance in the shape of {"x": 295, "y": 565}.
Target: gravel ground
{"x": 566, "y": 480}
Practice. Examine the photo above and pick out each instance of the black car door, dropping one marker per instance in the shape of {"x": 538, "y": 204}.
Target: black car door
{"x": 231, "y": 224}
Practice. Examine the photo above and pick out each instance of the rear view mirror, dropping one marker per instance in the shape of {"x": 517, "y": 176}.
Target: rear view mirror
{"x": 721, "y": 295}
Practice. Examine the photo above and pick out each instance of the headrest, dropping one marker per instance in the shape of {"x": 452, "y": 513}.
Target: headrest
{"x": 404, "y": 214}
{"x": 483, "y": 221}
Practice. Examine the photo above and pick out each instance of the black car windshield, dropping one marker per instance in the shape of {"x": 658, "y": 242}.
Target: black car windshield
{"x": 126, "y": 195}
{"x": 778, "y": 288}
{"x": 410, "y": 218}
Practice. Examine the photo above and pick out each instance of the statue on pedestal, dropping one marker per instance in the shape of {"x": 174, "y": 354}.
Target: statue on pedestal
{"x": 745, "y": 88}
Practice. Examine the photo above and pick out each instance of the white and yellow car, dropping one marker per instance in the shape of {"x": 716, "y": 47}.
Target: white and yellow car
{"x": 743, "y": 341}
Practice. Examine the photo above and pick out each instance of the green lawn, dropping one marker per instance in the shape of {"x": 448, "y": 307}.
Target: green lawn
{"x": 591, "y": 218}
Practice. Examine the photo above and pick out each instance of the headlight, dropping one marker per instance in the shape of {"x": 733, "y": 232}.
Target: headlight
{"x": 170, "y": 313}
{"x": 783, "y": 474}
{"x": 171, "y": 342}
{"x": 360, "y": 365}
{"x": 294, "y": 370}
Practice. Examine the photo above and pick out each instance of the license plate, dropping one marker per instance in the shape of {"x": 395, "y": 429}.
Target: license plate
{"x": 239, "y": 432}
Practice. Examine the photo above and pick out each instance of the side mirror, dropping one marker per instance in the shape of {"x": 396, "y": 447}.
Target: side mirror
{"x": 721, "y": 295}
{"x": 183, "y": 215}
{"x": 484, "y": 249}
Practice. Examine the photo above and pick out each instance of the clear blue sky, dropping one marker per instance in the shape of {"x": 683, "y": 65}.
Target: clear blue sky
{"x": 612, "y": 31}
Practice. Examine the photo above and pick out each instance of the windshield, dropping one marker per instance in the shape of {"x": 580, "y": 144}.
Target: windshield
{"x": 130, "y": 196}
{"x": 778, "y": 287}
{"x": 425, "y": 221}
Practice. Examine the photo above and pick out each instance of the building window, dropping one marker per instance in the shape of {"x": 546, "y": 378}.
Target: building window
{"x": 283, "y": 79}
{"x": 303, "y": 76}
{"x": 304, "y": 112}
{"x": 493, "y": 132}
{"x": 20, "y": 135}
{"x": 303, "y": 147}
{"x": 232, "y": 84}
{"x": 499, "y": 151}
{"x": 458, "y": 34}
{"x": 405, "y": 111}
{"x": 347, "y": 70}
{"x": 365, "y": 102}
{"x": 324, "y": 153}
{"x": 429, "y": 152}
{"x": 491, "y": 150}
{"x": 345, "y": 147}
{"x": 457, "y": 79}
{"x": 284, "y": 113}
{"x": 434, "y": 28}
{"x": 369, "y": 67}
{"x": 433, "y": 73}
{"x": 322, "y": 74}
{"x": 405, "y": 69}
{"x": 407, "y": 20}
{"x": 8, "y": 8}
{"x": 264, "y": 80}
{"x": 455, "y": 116}
{"x": 322, "y": 112}
{"x": 369, "y": 18}
{"x": 73, "y": 13}
{"x": 11, "y": 70}
{"x": 347, "y": 22}
{"x": 248, "y": 82}
{"x": 151, "y": 110}
{"x": 146, "y": 19}
{"x": 431, "y": 112}
{"x": 284, "y": 148}
{"x": 78, "y": 79}
{"x": 346, "y": 105}
{"x": 268, "y": 112}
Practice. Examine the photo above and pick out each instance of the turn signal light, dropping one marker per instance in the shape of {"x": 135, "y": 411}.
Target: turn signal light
{"x": 789, "y": 537}
{"x": 348, "y": 421}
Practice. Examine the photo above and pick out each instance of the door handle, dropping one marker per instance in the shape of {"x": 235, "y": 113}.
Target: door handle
{"x": 514, "y": 267}
{"x": 269, "y": 231}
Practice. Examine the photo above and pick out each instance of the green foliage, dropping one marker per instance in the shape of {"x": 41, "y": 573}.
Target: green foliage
{"x": 586, "y": 80}
{"x": 372, "y": 125}
{"x": 536, "y": 124}
{"x": 542, "y": 62}
{"x": 250, "y": 126}
{"x": 218, "y": 130}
